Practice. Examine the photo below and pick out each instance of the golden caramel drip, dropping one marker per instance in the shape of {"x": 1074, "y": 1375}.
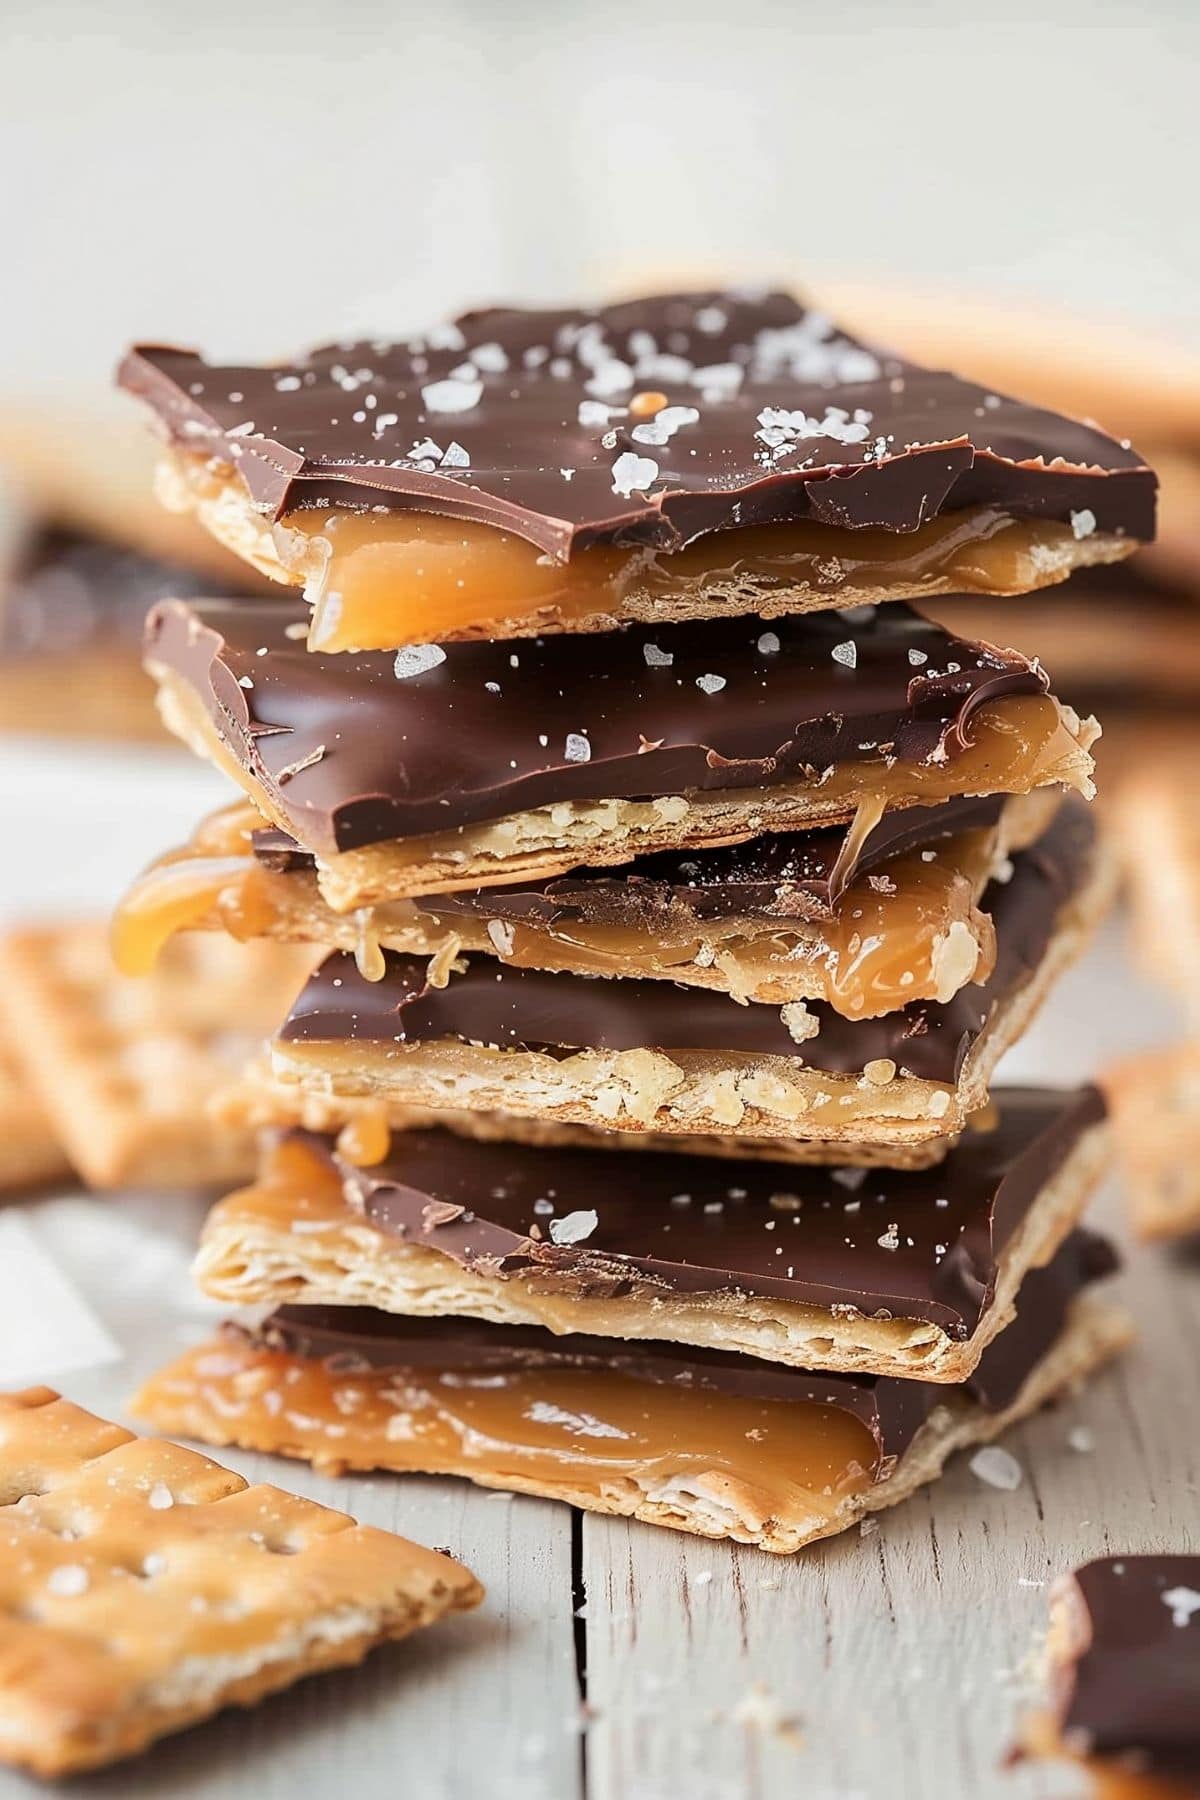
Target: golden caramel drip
{"x": 177, "y": 896}
{"x": 572, "y": 1430}
{"x": 907, "y": 930}
{"x": 387, "y": 578}
{"x": 366, "y": 1138}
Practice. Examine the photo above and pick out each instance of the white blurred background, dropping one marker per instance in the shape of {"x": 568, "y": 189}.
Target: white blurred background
{"x": 249, "y": 176}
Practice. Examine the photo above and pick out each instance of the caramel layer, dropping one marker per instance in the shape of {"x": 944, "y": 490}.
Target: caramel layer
{"x": 580, "y": 1432}
{"x": 379, "y": 580}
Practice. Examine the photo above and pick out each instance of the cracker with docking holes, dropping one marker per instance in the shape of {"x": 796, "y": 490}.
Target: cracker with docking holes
{"x": 1155, "y": 1106}
{"x": 719, "y": 1445}
{"x": 123, "y": 1068}
{"x": 144, "y": 1587}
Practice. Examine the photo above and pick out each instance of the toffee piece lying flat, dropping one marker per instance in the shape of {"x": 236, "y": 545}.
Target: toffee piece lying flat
{"x": 753, "y": 920}
{"x": 675, "y": 457}
{"x": 1125, "y": 1676}
{"x": 143, "y": 1587}
{"x": 650, "y": 1055}
{"x": 486, "y": 764}
{"x": 895, "y": 1272}
{"x": 720, "y": 1445}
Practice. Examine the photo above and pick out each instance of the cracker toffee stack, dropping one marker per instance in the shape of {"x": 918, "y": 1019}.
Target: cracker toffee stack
{"x": 635, "y": 1143}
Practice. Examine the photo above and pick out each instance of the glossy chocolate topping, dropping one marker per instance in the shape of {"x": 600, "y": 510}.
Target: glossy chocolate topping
{"x": 790, "y": 875}
{"x": 522, "y": 419}
{"x": 1135, "y": 1691}
{"x": 355, "y": 1339}
{"x": 354, "y": 755}
{"x": 530, "y": 1009}
{"x": 908, "y": 1243}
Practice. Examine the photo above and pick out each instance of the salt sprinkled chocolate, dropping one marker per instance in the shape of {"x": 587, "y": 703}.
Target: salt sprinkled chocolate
{"x": 773, "y": 415}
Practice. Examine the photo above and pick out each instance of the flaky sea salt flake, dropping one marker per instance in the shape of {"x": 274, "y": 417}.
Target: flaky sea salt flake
{"x": 417, "y": 659}
{"x": 451, "y": 396}
{"x": 997, "y": 1468}
{"x": 1183, "y": 1602}
{"x": 633, "y": 474}
{"x": 573, "y": 1227}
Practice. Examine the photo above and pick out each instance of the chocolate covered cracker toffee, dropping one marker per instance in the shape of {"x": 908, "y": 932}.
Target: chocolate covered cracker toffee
{"x": 718, "y": 1444}
{"x": 865, "y": 925}
{"x": 625, "y": 817}
{"x": 636, "y": 1055}
{"x": 906, "y": 1272}
{"x": 681, "y": 456}
{"x": 486, "y": 763}
{"x": 1125, "y": 1676}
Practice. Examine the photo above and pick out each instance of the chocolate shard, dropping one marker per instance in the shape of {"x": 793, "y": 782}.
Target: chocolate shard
{"x": 906, "y": 1243}
{"x": 1132, "y": 1692}
{"x": 357, "y": 1339}
{"x": 776, "y": 416}
{"x": 520, "y": 1008}
{"x": 351, "y": 755}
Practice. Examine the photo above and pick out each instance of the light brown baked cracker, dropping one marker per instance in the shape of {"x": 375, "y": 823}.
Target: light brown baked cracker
{"x": 143, "y": 1587}
{"x": 122, "y": 1068}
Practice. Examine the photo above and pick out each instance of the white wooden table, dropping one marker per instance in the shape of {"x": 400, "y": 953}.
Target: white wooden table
{"x": 611, "y": 1660}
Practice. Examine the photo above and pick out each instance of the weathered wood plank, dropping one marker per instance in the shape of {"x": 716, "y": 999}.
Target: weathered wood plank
{"x": 903, "y": 1656}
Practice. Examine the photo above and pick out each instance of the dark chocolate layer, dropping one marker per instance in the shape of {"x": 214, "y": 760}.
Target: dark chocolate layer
{"x": 1135, "y": 1691}
{"x": 352, "y": 754}
{"x": 520, "y": 419}
{"x": 791, "y": 875}
{"x": 355, "y": 1339}
{"x": 903, "y": 1243}
{"x": 531, "y": 1009}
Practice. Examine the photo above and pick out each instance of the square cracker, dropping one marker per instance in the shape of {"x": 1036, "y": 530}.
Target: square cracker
{"x": 123, "y": 1068}
{"x": 30, "y": 1153}
{"x": 143, "y": 1587}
